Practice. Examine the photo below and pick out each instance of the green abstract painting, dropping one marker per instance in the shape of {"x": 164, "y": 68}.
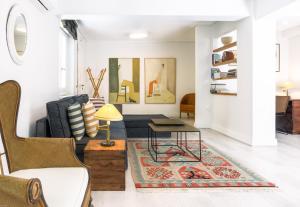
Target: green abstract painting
{"x": 124, "y": 80}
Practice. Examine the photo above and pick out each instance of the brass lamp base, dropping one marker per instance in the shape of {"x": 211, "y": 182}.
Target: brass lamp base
{"x": 107, "y": 144}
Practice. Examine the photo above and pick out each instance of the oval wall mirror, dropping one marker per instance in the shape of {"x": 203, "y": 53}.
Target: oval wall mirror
{"x": 17, "y": 34}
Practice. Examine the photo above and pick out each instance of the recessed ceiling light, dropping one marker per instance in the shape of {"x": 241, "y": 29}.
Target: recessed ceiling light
{"x": 138, "y": 35}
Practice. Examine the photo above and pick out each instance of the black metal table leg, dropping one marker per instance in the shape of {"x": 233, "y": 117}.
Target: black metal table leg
{"x": 180, "y": 141}
{"x": 156, "y": 152}
{"x": 200, "y": 146}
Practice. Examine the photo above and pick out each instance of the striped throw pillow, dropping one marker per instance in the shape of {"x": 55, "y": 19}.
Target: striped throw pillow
{"x": 98, "y": 102}
{"x": 90, "y": 123}
{"x": 76, "y": 121}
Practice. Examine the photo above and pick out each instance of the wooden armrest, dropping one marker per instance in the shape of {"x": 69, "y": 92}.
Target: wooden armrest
{"x": 20, "y": 192}
{"x": 30, "y": 153}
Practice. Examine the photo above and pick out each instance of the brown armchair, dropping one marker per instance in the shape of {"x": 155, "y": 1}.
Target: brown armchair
{"x": 41, "y": 171}
{"x": 187, "y": 104}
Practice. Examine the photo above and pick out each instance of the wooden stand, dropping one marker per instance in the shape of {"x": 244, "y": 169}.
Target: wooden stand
{"x": 96, "y": 82}
{"x": 107, "y": 165}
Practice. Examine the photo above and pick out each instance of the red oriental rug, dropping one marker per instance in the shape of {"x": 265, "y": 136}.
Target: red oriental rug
{"x": 215, "y": 170}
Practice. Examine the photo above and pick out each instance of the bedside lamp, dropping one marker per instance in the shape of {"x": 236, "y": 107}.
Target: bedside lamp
{"x": 108, "y": 113}
{"x": 286, "y": 86}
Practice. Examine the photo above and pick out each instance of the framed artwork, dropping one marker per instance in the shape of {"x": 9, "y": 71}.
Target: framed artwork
{"x": 124, "y": 80}
{"x": 277, "y": 58}
{"x": 160, "y": 80}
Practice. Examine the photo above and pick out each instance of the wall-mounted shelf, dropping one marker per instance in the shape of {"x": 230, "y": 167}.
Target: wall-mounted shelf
{"x": 226, "y": 78}
{"x": 225, "y": 62}
{"x": 225, "y": 47}
{"x": 225, "y": 94}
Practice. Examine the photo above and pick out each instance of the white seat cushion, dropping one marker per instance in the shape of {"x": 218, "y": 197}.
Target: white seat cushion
{"x": 3, "y": 160}
{"x": 62, "y": 187}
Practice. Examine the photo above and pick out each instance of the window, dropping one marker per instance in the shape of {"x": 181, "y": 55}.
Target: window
{"x": 66, "y": 63}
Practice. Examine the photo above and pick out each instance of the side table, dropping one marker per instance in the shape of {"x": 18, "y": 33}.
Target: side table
{"x": 107, "y": 165}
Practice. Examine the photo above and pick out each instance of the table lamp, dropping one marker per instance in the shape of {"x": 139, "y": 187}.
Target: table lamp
{"x": 108, "y": 113}
{"x": 286, "y": 86}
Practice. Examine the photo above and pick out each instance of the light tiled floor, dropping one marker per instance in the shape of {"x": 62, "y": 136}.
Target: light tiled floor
{"x": 280, "y": 165}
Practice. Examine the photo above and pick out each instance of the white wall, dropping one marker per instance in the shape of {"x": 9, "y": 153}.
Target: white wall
{"x": 232, "y": 115}
{"x": 38, "y": 76}
{"x": 248, "y": 117}
{"x": 97, "y": 54}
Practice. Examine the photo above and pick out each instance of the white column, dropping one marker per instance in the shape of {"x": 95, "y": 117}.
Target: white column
{"x": 263, "y": 78}
{"x": 202, "y": 76}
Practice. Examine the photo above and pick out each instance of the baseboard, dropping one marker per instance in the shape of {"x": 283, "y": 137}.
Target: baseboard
{"x": 243, "y": 138}
{"x": 232, "y": 134}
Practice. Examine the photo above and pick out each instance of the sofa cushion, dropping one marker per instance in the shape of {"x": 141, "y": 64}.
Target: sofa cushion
{"x": 141, "y": 121}
{"x": 90, "y": 122}
{"x": 76, "y": 121}
{"x": 98, "y": 102}
{"x": 62, "y": 187}
{"x": 57, "y": 115}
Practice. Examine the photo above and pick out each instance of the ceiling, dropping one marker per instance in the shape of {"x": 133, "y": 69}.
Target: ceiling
{"x": 118, "y": 28}
{"x": 163, "y": 20}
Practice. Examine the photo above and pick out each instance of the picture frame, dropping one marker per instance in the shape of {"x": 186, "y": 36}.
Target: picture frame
{"x": 160, "y": 80}
{"x": 124, "y": 80}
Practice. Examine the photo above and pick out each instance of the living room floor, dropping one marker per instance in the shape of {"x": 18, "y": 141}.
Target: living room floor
{"x": 279, "y": 165}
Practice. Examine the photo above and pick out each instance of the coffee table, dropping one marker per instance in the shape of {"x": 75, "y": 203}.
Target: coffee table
{"x": 182, "y": 143}
{"x": 167, "y": 122}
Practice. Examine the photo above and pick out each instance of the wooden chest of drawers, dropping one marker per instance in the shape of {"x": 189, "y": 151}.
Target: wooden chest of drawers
{"x": 290, "y": 121}
{"x": 296, "y": 116}
{"x": 107, "y": 165}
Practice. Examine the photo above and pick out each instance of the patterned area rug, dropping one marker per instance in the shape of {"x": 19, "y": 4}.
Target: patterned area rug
{"x": 215, "y": 170}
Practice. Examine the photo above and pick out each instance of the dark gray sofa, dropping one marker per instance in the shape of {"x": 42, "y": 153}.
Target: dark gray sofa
{"x": 137, "y": 125}
{"x": 56, "y": 123}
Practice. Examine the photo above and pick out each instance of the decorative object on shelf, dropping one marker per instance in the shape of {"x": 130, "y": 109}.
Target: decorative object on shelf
{"x": 214, "y": 73}
{"x": 160, "y": 80}
{"x": 227, "y": 55}
{"x": 124, "y": 80}
{"x": 214, "y": 87}
{"x": 232, "y": 73}
{"x": 96, "y": 82}
{"x": 108, "y": 113}
{"x": 216, "y": 58}
{"x": 17, "y": 34}
{"x": 285, "y": 86}
{"x": 277, "y": 57}
{"x": 226, "y": 40}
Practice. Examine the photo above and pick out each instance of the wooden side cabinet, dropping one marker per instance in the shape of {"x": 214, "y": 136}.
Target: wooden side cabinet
{"x": 296, "y": 116}
{"x": 107, "y": 165}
